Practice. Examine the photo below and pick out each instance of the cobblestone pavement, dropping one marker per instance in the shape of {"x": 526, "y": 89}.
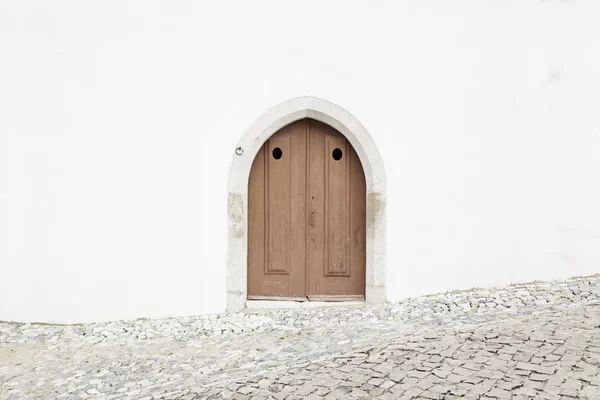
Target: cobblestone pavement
{"x": 531, "y": 341}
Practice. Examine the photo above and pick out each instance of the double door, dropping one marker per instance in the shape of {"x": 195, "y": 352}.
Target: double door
{"x": 306, "y": 217}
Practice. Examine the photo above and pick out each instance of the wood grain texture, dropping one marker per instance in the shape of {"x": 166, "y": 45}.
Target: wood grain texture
{"x": 276, "y": 220}
{"x": 307, "y": 216}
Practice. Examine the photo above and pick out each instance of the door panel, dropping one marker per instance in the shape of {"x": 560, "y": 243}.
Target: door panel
{"x": 307, "y": 216}
{"x": 278, "y": 205}
{"x": 337, "y": 197}
{"x": 277, "y": 215}
{"x": 337, "y": 202}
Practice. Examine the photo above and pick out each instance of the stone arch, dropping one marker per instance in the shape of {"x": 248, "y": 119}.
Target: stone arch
{"x": 237, "y": 200}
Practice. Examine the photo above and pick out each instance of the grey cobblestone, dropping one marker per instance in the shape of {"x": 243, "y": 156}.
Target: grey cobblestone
{"x": 537, "y": 340}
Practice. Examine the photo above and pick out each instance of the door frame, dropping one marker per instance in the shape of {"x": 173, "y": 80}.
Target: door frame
{"x": 237, "y": 198}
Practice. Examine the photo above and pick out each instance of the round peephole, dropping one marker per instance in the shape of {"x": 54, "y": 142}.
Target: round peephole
{"x": 277, "y": 153}
{"x": 337, "y": 154}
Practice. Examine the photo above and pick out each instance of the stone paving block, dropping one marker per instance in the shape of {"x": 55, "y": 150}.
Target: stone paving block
{"x": 509, "y": 385}
{"x": 499, "y": 393}
{"x": 538, "y": 377}
{"x": 430, "y": 395}
{"x": 462, "y": 371}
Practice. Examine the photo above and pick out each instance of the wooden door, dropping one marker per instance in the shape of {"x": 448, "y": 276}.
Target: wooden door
{"x": 307, "y": 217}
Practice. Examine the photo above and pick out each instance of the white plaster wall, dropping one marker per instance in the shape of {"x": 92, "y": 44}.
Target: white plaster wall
{"x": 118, "y": 122}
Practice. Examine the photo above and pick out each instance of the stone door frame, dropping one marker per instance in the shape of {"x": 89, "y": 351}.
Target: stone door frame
{"x": 237, "y": 199}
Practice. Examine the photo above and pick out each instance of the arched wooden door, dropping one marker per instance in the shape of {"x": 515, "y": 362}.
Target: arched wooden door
{"x": 307, "y": 217}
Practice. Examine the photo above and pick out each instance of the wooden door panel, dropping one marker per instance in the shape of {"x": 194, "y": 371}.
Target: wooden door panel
{"x": 277, "y": 215}
{"x": 337, "y": 191}
{"x": 316, "y": 206}
{"x": 278, "y": 205}
{"x": 337, "y": 204}
{"x": 358, "y": 223}
{"x": 256, "y": 224}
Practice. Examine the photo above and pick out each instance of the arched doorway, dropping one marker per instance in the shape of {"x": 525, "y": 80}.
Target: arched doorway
{"x": 306, "y": 217}
{"x": 244, "y": 154}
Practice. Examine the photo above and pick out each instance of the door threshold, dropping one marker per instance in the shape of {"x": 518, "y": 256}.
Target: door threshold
{"x": 286, "y": 304}
{"x": 277, "y": 298}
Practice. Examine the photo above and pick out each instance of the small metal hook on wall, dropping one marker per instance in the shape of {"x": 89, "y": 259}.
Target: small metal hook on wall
{"x": 239, "y": 151}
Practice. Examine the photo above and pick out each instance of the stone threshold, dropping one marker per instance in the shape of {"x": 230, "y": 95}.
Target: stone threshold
{"x": 254, "y": 305}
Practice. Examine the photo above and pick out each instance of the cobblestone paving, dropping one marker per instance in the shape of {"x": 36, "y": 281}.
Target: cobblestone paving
{"x": 531, "y": 341}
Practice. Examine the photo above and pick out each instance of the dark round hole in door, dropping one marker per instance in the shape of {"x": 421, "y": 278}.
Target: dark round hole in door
{"x": 277, "y": 153}
{"x": 337, "y": 154}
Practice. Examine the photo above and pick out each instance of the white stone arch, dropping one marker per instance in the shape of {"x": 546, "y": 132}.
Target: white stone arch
{"x": 237, "y": 200}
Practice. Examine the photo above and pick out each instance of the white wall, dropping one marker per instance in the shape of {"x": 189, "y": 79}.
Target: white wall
{"x": 118, "y": 121}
